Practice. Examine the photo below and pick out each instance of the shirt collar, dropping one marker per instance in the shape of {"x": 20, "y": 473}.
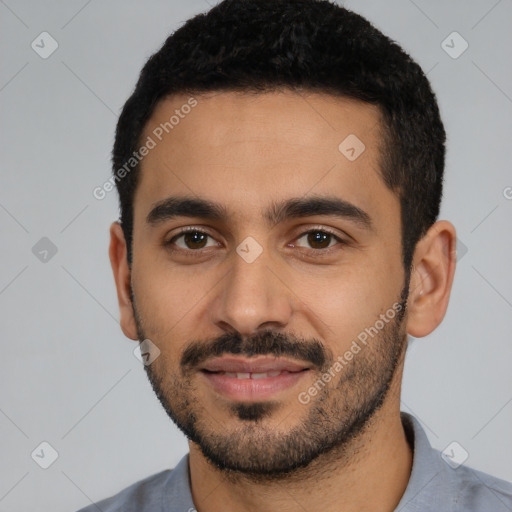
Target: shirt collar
{"x": 429, "y": 481}
{"x": 426, "y": 474}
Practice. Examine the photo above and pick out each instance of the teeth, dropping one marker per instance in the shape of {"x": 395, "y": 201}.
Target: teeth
{"x": 259, "y": 375}
{"x": 245, "y": 375}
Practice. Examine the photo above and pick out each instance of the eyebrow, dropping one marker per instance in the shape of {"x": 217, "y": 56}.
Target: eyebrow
{"x": 175, "y": 206}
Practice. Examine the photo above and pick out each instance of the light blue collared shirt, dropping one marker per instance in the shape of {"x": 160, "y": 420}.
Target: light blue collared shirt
{"x": 434, "y": 486}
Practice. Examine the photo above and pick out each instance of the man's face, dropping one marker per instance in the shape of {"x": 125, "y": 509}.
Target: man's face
{"x": 252, "y": 305}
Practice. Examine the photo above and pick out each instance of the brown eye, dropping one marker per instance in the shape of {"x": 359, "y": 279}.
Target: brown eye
{"x": 318, "y": 239}
{"x": 195, "y": 240}
{"x": 191, "y": 240}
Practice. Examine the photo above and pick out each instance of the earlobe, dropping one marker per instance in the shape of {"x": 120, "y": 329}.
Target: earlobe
{"x": 432, "y": 275}
{"x": 122, "y": 277}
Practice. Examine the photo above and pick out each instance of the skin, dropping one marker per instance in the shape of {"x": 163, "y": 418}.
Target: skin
{"x": 244, "y": 152}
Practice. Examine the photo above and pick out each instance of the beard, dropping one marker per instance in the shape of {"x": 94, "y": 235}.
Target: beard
{"x": 334, "y": 418}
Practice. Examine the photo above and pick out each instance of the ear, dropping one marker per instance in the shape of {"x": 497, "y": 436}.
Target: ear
{"x": 122, "y": 276}
{"x": 433, "y": 268}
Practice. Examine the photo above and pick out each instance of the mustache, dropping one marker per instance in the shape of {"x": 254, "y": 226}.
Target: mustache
{"x": 263, "y": 343}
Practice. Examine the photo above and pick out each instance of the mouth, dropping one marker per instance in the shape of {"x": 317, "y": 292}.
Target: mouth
{"x": 252, "y": 379}
{"x": 252, "y": 375}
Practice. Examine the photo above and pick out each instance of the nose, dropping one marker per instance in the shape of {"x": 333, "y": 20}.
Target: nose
{"x": 252, "y": 297}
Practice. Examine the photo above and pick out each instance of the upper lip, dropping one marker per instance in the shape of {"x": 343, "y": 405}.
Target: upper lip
{"x": 253, "y": 365}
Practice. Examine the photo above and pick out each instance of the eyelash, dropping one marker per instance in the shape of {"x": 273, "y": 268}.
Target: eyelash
{"x": 192, "y": 229}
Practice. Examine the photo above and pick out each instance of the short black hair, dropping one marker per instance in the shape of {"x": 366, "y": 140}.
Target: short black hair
{"x": 302, "y": 45}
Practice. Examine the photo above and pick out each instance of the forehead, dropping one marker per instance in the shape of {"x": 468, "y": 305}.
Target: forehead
{"x": 246, "y": 150}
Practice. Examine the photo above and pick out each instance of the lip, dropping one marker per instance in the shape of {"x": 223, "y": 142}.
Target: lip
{"x": 251, "y": 387}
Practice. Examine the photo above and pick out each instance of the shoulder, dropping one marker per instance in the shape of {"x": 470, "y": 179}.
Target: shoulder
{"x": 144, "y": 495}
{"x": 441, "y": 483}
{"x": 476, "y": 491}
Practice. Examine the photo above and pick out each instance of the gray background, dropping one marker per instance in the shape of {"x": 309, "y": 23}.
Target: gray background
{"x": 68, "y": 375}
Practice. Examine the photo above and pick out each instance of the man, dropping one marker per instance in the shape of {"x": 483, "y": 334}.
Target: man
{"x": 280, "y": 168}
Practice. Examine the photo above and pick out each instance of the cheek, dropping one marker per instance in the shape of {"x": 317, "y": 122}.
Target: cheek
{"x": 345, "y": 303}
{"x": 165, "y": 297}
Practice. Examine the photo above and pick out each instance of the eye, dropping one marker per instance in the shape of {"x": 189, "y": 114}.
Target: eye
{"x": 192, "y": 239}
{"x": 319, "y": 239}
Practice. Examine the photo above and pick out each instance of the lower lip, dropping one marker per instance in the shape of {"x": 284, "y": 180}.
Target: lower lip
{"x": 252, "y": 389}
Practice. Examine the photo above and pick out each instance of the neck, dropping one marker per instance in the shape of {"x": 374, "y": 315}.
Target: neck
{"x": 368, "y": 474}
